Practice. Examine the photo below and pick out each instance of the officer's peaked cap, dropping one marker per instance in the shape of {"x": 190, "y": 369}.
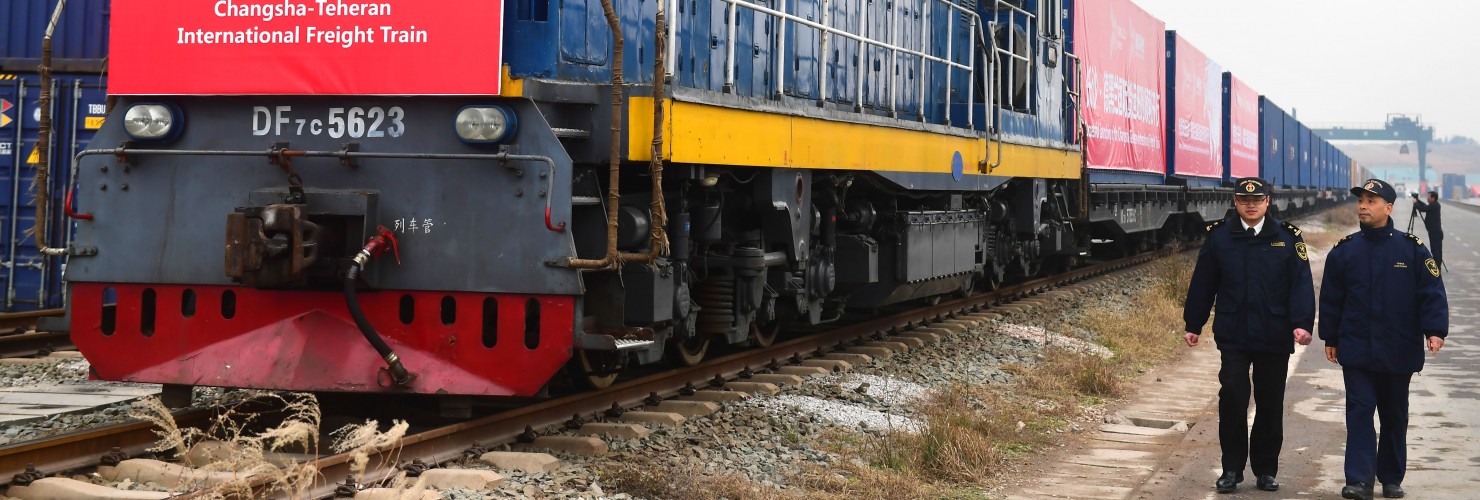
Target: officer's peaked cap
{"x": 1251, "y": 186}
{"x": 1377, "y": 187}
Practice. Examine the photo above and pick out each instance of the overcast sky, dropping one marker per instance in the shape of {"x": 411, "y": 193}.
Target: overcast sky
{"x": 1345, "y": 61}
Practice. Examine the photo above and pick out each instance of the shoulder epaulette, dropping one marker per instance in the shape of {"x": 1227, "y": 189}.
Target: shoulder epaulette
{"x": 1343, "y": 240}
{"x": 1214, "y": 225}
{"x": 1291, "y": 228}
{"x": 1414, "y": 238}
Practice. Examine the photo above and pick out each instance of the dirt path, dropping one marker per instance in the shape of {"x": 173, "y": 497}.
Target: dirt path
{"x": 1444, "y": 449}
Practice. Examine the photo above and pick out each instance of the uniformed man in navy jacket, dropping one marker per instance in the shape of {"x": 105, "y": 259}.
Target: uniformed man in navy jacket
{"x": 1382, "y": 303}
{"x": 1257, "y": 271}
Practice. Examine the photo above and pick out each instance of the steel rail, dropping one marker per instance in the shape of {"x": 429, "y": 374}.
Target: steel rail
{"x": 83, "y": 448}
{"x": 451, "y": 442}
{"x": 34, "y": 344}
{"x": 26, "y": 318}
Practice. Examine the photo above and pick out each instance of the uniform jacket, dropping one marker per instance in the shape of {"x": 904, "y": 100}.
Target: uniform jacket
{"x": 1261, "y": 285}
{"x": 1381, "y": 297}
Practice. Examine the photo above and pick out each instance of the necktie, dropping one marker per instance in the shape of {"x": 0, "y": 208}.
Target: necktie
{"x": 1249, "y": 231}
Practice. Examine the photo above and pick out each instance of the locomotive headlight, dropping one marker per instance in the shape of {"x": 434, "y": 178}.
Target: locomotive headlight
{"x": 149, "y": 121}
{"x": 484, "y": 124}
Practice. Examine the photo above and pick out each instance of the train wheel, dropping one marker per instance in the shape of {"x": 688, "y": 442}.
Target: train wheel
{"x": 689, "y": 352}
{"x": 598, "y": 369}
{"x": 765, "y": 335}
{"x": 967, "y": 288}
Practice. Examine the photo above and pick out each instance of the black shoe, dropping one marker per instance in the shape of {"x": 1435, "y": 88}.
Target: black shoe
{"x": 1357, "y": 491}
{"x": 1267, "y": 483}
{"x": 1228, "y": 482}
{"x": 1392, "y": 491}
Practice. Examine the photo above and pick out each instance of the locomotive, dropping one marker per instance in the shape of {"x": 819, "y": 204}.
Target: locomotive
{"x": 470, "y": 197}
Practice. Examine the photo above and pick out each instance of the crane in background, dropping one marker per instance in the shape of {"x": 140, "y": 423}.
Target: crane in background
{"x": 1399, "y": 127}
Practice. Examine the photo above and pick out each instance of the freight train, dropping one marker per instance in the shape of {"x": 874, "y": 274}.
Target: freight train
{"x": 472, "y": 197}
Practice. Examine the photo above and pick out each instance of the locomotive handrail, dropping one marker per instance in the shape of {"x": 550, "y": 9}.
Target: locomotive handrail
{"x": 122, "y": 153}
{"x": 845, "y": 34}
{"x": 996, "y": 55}
{"x": 823, "y": 27}
{"x": 1076, "y": 96}
{"x": 1011, "y": 50}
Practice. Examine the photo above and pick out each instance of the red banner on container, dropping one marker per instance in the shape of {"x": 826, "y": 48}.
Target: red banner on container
{"x": 342, "y": 47}
{"x": 1122, "y": 49}
{"x": 1197, "y": 134}
{"x": 1243, "y": 129}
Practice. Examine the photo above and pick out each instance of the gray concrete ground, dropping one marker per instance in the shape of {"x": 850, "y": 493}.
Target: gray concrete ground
{"x": 1443, "y": 441}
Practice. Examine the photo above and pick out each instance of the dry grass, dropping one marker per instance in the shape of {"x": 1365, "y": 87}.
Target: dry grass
{"x": 299, "y": 430}
{"x": 1146, "y": 332}
{"x": 1338, "y": 222}
{"x": 974, "y": 431}
{"x": 248, "y": 449}
{"x": 644, "y": 477}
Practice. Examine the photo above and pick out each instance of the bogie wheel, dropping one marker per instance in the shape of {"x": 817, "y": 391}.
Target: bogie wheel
{"x": 690, "y": 351}
{"x": 597, "y": 369}
{"x": 765, "y": 335}
{"x": 968, "y": 287}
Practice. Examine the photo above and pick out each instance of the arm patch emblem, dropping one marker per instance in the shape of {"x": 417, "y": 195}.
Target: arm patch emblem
{"x": 1300, "y": 251}
{"x": 1432, "y": 266}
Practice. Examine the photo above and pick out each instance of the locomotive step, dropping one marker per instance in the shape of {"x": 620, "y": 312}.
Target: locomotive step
{"x": 623, "y": 345}
{"x": 571, "y": 133}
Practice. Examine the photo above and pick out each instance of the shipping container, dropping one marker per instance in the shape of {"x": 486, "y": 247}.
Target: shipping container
{"x": 1124, "y": 112}
{"x": 1273, "y": 142}
{"x": 1292, "y": 152}
{"x": 1322, "y": 169}
{"x": 1240, "y": 129}
{"x": 1332, "y": 160}
{"x": 1194, "y": 144}
{"x": 29, "y": 280}
{"x": 79, "y": 44}
{"x": 1303, "y": 156}
{"x": 1454, "y": 187}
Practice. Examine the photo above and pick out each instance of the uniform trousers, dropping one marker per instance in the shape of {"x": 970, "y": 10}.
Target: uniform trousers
{"x": 1436, "y": 243}
{"x": 1367, "y": 454}
{"x": 1262, "y": 447}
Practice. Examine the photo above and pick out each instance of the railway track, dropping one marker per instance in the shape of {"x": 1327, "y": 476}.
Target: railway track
{"x": 21, "y": 340}
{"x": 443, "y": 444}
{"x": 29, "y": 344}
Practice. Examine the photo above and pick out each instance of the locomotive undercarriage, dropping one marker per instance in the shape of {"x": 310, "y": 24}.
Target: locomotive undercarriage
{"x": 756, "y": 251}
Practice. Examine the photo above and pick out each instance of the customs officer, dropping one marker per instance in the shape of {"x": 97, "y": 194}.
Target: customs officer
{"x": 1257, "y": 272}
{"x": 1382, "y": 303}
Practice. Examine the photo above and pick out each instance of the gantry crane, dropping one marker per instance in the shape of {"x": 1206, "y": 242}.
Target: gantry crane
{"x": 1399, "y": 127}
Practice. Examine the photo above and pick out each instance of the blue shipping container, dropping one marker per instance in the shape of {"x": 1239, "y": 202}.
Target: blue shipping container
{"x": 1271, "y": 142}
{"x": 1291, "y": 147}
{"x": 79, "y": 44}
{"x": 1301, "y": 176}
{"x": 29, "y": 280}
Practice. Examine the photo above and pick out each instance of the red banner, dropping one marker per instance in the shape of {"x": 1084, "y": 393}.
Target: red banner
{"x": 390, "y": 47}
{"x": 1243, "y": 129}
{"x": 1197, "y": 135}
{"x": 1122, "y": 48}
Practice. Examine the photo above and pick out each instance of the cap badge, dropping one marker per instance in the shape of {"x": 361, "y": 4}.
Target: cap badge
{"x": 1249, "y": 186}
{"x": 1370, "y": 185}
